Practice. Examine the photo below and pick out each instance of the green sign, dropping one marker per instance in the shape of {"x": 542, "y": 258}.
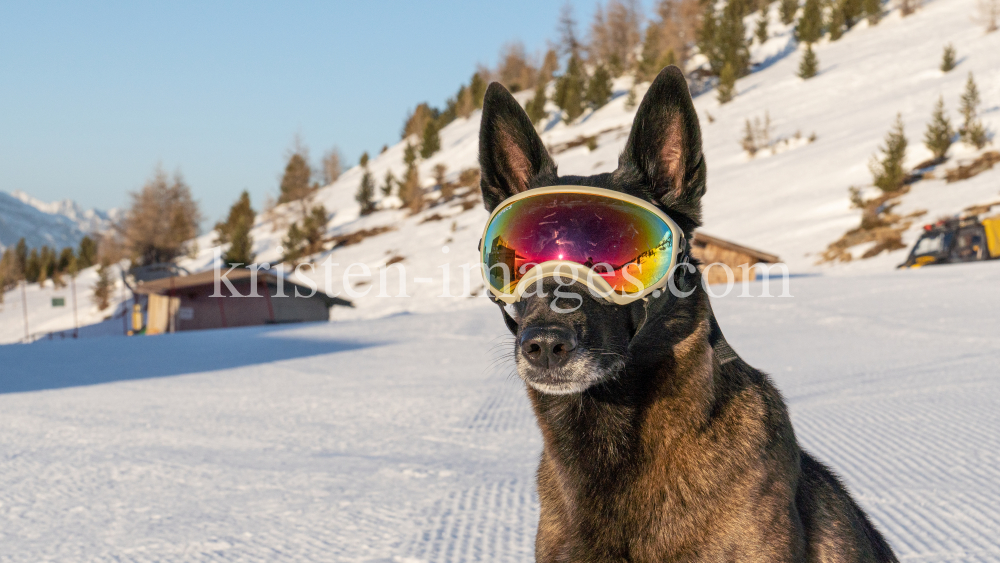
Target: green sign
{"x": 58, "y": 301}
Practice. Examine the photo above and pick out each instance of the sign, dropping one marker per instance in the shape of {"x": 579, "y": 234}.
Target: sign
{"x": 185, "y": 313}
{"x": 58, "y": 301}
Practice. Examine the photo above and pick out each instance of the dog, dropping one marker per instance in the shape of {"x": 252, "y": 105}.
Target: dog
{"x": 660, "y": 443}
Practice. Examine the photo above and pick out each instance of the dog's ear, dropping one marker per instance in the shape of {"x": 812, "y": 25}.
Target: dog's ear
{"x": 663, "y": 151}
{"x": 512, "y": 157}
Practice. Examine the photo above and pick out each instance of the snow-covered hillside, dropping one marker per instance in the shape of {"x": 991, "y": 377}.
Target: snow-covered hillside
{"x": 57, "y": 224}
{"x": 793, "y": 203}
{"x": 401, "y": 440}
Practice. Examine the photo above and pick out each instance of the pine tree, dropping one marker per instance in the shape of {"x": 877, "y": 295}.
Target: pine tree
{"x": 32, "y": 266}
{"x": 948, "y": 58}
{"x": 87, "y": 253}
{"x": 810, "y": 28}
{"x": 305, "y": 238}
{"x": 431, "y": 142}
{"x": 788, "y": 10}
{"x": 235, "y": 231}
{"x": 972, "y": 131}
{"x": 837, "y": 23}
{"x": 809, "y": 65}
{"x": 390, "y": 180}
{"x": 727, "y": 84}
{"x": 410, "y": 190}
{"x": 760, "y": 31}
{"x": 295, "y": 181}
{"x": 102, "y": 288}
{"x": 366, "y": 193}
{"x": 477, "y": 89}
{"x": 632, "y": 98}
{"x": 707, "y": 38}
{"x": 730, "y": 44}
{"x": 570, "y": 88}
{"x": 599, "y": 88}
{"x": 872, "y": 10}
{"x": 363, "y": 161}
{"x": 939, "y": 132}
{"x": 888, "y": 174}
{"x": 852, "y": 11}
{"x": 536, "y": 105}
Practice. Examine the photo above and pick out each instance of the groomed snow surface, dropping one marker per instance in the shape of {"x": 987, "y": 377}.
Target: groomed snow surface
{"x": 408, "y": 439}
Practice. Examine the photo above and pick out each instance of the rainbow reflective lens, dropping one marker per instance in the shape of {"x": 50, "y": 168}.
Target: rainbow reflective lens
{"x": 620, "y": 246}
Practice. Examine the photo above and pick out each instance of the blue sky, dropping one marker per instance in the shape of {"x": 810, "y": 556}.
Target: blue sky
{"x": 93, "y": 96}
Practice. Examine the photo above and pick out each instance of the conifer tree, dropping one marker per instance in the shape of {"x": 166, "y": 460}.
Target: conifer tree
{"x": 21, "y": 253}
{"x": 102, "y": 288}
{"x": 447, "y": 188}
{"x": 788, "y": 10}
{"x": 87, "y": 253}
{"x": 295, "y": 181}
{"x": 536, "y": 105}
{"x": 948, "y": 58}
{"x": 728, "y": 44}
{"x": 809, "y": 65}
{"x": 599, "y": 88}
{"x": 410, "y": 190}
{"x": 431, "y": 142}
{"x": 235, "y": 231}
{"x": 363, "y": 161}
{"x": 390, "y": 180}
{"x": 366, "y": 193}
{"x": 305, "y": 238}
{"x": 66, "y": 256}
{"x": 727, "y": 84}
{"x": 872, "y": 10}
{"x": 852, "y": 11}
{"x": 887, "y": 173}
{"x": 477, "y": 89}
{"x": 939, "y": 132}
{"x": 632, "y": 98}
{"x": 10, "y": 270}
{"x": 32, "y": 266}
{"x": 837, "y": 23}
{"x": 810, "y": 28}
{"x": 760, "y": 31}
{"x": 972, "y": 131}
{"x": 706, "y": 38}
{"x": 570, "y": 89}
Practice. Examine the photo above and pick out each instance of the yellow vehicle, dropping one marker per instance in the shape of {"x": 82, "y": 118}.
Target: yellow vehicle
{"x": 956, "y": 240}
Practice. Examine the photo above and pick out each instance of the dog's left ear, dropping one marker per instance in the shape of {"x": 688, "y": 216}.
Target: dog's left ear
{"x": 512, "y": 157}
{"x": 663, "y": 151}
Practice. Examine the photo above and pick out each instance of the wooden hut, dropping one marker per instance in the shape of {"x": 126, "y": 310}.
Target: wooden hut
{"x": 710, "y": 250}
{"x": 199, "y": 301}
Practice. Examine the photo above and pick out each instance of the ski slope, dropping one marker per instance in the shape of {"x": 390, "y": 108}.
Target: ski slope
{"x": 407, "y": 439}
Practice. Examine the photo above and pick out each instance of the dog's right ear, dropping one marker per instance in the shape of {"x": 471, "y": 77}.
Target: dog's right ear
{"x": 512, "y": 158}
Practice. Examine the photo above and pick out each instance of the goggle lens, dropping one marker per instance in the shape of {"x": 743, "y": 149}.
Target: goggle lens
{"x": 627, "y": 245}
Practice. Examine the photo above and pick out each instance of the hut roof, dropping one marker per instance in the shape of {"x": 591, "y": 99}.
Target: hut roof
{"x": 701, "y": 240}
{"x": 165, "y": 285}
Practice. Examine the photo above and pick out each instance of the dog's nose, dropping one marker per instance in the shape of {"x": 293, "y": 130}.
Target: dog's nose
{"x": 547, "y": 347}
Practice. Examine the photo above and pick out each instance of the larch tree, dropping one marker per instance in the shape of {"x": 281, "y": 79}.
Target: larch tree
{"x": 162, "y": 217}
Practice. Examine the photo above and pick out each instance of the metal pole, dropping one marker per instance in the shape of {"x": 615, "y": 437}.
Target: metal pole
{"x": 76, "y": 324}
{"x": 124, "y": 309}
{"x": 24, "y": 304}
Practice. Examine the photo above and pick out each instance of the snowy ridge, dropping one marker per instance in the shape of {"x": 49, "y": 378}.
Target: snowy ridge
{"x": 57, "y": 224}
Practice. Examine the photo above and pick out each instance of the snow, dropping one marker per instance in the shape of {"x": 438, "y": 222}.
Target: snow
{"x": 407, "y": 438}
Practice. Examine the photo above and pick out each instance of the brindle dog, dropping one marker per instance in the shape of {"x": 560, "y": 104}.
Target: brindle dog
{"x": 660, "y": 443}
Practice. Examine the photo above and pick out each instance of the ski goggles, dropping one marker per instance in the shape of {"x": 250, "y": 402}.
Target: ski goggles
{"x": 621, "y": 247}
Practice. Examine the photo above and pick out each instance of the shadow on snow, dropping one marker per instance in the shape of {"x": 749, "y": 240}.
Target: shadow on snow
{"x": 73, "y": 363}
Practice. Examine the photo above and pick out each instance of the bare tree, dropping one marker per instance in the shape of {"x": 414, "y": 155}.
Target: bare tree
{"x": 162, "y": 218}
{"x": 515, "y": 70}
{"x": 671, "y": 36}
{"x": 569, "y": 41}
{"x": 615, "y": 36}
{"x": 331, "y": 166}
{"x": 988, "y": 13}
{"x": 907, "y": 7}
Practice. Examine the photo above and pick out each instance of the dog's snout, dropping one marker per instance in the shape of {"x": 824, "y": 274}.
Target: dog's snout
{"x": 547, "y": 347}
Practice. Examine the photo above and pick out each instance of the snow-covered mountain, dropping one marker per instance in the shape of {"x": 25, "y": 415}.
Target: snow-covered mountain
{"x": 56, "y": 224}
